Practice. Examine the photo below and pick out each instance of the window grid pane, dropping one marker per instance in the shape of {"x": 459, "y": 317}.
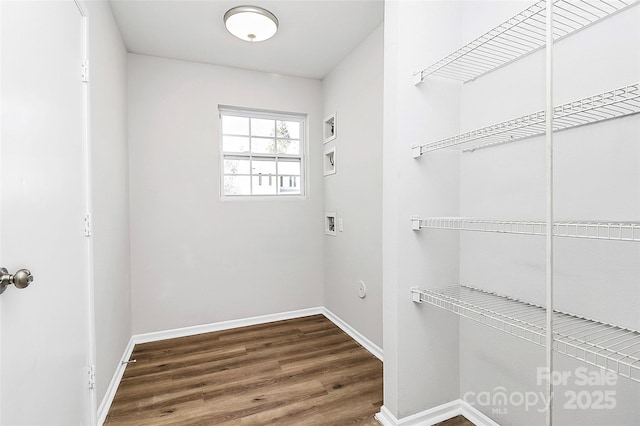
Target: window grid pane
{"x": 274, "y": 156}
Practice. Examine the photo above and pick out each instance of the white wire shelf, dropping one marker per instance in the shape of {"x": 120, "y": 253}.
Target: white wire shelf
{"x": 600, "y": 344}
{"x": 618, "y": 231}
{"x": 604, "y": 106}
{"x": 520, "y": 36}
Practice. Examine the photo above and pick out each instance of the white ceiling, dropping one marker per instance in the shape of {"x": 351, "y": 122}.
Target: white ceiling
{"x": 314, "y": 35}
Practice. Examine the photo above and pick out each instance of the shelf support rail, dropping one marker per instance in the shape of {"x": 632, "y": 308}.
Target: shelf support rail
{"x": 549, "y": 228}
{"x": 617, "y": 231}
{"x": 601, "y": 344}
{"x": 487, "y": 39}
{"x": 616, "y": 103}
{"x": 520, "y": 36}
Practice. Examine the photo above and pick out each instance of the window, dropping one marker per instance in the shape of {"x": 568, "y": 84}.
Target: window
{"x": 262, "y": 153}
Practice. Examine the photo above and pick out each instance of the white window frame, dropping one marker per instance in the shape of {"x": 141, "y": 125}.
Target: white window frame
{"x": 269, "y": 115}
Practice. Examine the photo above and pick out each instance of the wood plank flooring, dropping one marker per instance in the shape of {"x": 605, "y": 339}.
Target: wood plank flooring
{"x": 303, "y": 371}
{"x": 456, "y": 421}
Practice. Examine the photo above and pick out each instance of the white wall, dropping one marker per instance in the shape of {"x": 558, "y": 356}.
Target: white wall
{"x": 420, "y": 344}
{"x": 353, "y": 90}
{"x": 110, "y": 191}
{"x": 196, "y": 259}
{"x": 597, "y": 177}
{"x": 510, "y": 264}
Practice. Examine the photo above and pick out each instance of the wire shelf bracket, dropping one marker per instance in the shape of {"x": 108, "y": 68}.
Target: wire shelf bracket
{"x": 520, "y": 36}
{"x": 600, "y": 344}
{"x": 604, "y": 106}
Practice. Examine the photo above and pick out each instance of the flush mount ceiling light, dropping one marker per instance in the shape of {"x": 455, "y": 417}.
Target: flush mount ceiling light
{"x": 251, "y": 23}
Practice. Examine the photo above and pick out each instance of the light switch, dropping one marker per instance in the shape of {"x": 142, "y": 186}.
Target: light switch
{"x": 340, "y": 225}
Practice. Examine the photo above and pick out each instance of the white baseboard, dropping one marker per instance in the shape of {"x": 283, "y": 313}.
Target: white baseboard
{"x": 428, "y": 417}
{"x": 354, "y": 334}
{"x": 103, "y": 410}
{"x": 223, "y": 325}
{"x": 474, "y": 415}
{"x": 107, "y": 400}
{"x": 436, "y": 415}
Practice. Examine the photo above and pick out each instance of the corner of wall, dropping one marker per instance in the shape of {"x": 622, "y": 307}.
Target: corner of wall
{"x": 353, "y": 90}
{"x": 110, "y": 191}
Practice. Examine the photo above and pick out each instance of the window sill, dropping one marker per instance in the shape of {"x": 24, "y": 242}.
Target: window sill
{"x": 262, "y": 198}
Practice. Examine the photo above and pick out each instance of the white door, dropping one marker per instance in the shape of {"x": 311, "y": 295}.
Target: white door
{"x": 44, "y": 329}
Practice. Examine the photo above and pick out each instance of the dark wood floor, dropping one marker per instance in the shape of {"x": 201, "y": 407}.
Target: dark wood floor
{"x": 302, "y": 371}
{"x": 456, "y": 421}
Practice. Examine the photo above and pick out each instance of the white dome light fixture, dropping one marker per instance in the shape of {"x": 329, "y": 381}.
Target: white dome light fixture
{"x": 251, "y": 23}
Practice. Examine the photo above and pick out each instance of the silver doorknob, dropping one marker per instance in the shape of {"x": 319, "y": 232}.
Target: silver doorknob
{"x": 21, "y": 279}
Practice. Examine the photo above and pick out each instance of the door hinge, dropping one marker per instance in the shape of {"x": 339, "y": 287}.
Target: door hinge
{"x": 85, "y": 70}
{"x": 88, "y": 225}
{"x": 92, "y": 377}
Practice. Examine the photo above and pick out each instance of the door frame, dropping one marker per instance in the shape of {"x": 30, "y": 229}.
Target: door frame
{"x": 86, "y": 123}
{"x": 1, "y": 398}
